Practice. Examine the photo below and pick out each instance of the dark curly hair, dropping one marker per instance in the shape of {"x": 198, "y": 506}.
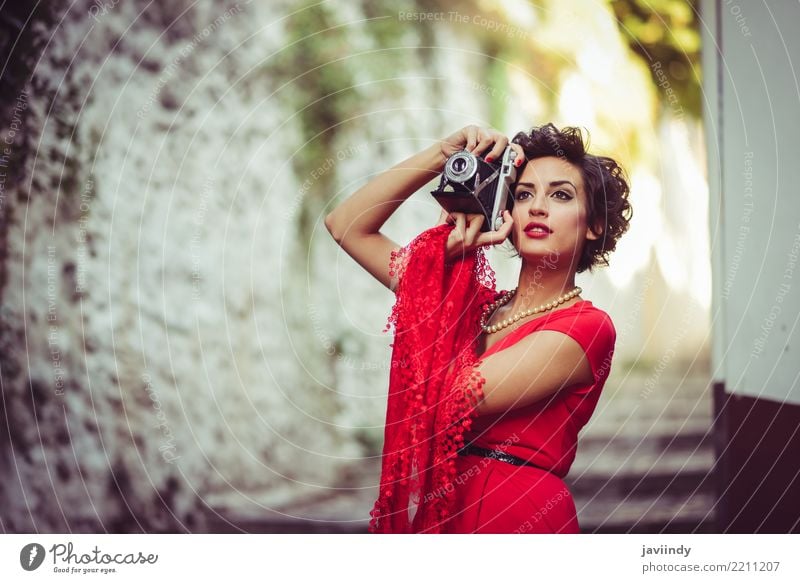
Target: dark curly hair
{"x": 604, "y": 183}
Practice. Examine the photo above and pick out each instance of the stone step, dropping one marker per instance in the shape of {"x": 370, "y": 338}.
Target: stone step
{"x": 655, "y": 440}
{"x": 331, "y": 510}
{"x": 669, "y": 513}
{"x": 644, "y": 462}
{"x": 642, "y": 425}
{"x": 219, "y": 524}
{"x": 607, "y": 467}
{"x": 651, "y": 484}
{"x": 632, "y": 478}
{"x": 654, "y": 501}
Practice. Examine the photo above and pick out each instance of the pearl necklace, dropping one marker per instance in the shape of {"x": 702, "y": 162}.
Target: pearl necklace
{"x": 489, "y": 309}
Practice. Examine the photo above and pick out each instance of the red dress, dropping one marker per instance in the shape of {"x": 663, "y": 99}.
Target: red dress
{"x": 434, "y": 388}
{"x": 493, "y": 496}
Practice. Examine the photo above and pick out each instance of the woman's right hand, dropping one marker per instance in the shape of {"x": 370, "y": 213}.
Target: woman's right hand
{"x": 477, "y": 140}
{"x": 467, "y": 236}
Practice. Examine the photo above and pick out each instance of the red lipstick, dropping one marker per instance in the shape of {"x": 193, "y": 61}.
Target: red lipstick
{"x": 536, "y": 230}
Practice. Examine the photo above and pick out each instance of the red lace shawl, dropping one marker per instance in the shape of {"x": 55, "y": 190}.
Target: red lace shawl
{"x": 433, "y": 383}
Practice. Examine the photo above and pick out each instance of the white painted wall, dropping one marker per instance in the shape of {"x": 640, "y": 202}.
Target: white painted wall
{"x": 752, "y": 117}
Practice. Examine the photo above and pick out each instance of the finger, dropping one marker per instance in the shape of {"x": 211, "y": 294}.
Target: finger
{"x": 472, "y": 137}
{"x": 500, "y": 144}
{"x": 500, "y": 235}
{"x": 520, "y": 155}
{"x": 461, "y": 225}
{"x": 456, "y": 238}
{"x": 474, "y": 228}
{"x": 444, "y": 217}
{"x": 508, "y": 225}
{"x": 484, "y": 141}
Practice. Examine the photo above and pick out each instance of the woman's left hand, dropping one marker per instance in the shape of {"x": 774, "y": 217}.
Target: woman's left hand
{"x": 467, "y": 236}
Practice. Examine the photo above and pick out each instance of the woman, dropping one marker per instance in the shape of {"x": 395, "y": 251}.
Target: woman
{"x": 488, "y": 390}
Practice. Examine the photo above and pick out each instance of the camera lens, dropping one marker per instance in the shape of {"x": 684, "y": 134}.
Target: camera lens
{"x": 460, "y": 167}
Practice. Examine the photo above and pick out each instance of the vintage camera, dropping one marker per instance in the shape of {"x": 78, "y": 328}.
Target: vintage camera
{"x": 470, "y": 184}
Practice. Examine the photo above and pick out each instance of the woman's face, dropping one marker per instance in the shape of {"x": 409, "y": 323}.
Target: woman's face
{"x": 550, "y": 191}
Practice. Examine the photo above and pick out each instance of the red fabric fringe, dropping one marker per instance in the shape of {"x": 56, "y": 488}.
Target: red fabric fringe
{"x": 433, "y": 384}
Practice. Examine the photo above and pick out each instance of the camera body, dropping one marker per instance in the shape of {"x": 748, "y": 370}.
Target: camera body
{"x": 470, "y": 184}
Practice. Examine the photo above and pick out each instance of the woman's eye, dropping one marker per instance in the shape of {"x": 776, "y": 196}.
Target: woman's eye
{"x": 562, "y": 194}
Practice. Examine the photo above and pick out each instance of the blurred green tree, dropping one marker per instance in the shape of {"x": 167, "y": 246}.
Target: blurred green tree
{"x": 666, "y": 32}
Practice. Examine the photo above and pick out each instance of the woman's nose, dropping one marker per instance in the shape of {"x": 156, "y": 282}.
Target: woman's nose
{"x": 538, "y": 205}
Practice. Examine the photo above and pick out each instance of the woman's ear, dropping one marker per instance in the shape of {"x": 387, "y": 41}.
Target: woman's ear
{"x": 596, "y": 233}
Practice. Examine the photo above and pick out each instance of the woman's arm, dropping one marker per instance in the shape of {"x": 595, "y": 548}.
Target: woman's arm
{"x": 355, "y": 224}
{"x": 531, "y": 369}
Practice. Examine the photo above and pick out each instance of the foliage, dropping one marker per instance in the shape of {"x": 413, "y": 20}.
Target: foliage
{"x": 666, "y": 32}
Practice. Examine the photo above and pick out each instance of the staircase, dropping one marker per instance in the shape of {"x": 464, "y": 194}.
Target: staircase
{"x": 643, "y": 466}
{"x": 644, "y": 462}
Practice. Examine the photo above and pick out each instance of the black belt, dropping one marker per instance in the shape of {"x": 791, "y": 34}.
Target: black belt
{"x": 496, "y": 454}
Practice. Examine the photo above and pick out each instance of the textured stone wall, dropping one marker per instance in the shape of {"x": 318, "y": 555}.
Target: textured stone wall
{"x": 179, "y": 334}
{"x": 179, "y": 331}
{"x": 156, "y": 348}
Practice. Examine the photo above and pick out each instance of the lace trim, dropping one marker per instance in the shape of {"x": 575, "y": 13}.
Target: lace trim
{"x": 434, "y": 384}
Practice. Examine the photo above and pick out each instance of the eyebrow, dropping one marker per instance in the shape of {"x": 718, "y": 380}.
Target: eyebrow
{"x": 554, "y": 183}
